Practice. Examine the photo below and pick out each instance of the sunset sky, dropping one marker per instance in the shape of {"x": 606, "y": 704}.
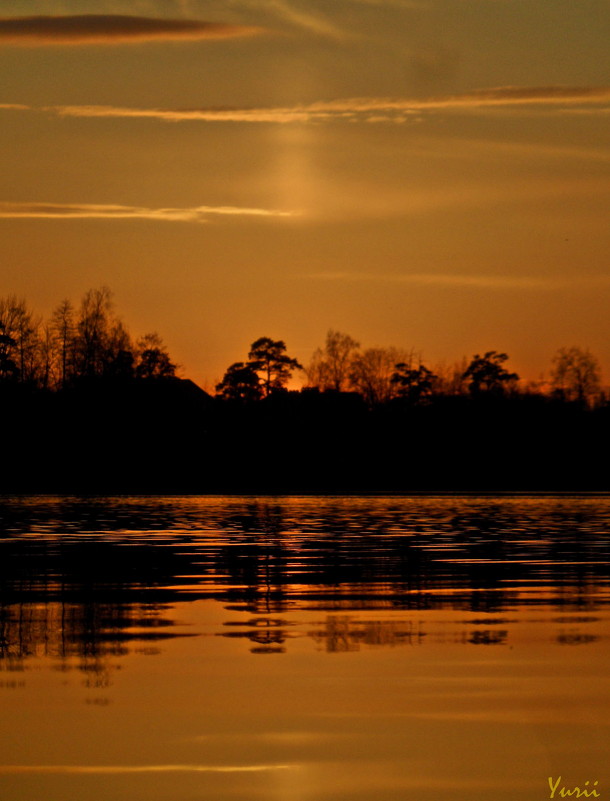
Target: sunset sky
{"x": 429, "y": 174}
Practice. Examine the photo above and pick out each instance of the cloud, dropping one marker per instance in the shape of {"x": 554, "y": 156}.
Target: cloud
{"x": 298, "y": 16}
{"x": 451, "y": 281}
{"x": 302, "y": 15}
{"x": 84, "y": 29}
{"x": 304, "y": 19}
{"x": 386, "y": 3}
{"x": 103, "y": 769}
{"x": 62, "y": 211}
{"x": 367, "y": 109}
{"x": 476, "y": 148}
{"x": 520, "y": 95}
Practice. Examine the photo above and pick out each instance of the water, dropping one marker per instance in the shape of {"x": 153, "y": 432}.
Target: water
{"x": 303, "y": 649}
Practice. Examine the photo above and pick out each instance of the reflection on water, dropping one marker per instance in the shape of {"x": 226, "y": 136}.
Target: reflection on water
{"x": 184, "y": 595}
{"x": 84, "y": 578}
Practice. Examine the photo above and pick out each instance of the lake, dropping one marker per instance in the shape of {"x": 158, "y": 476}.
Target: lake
{"x": 304, "y": 649}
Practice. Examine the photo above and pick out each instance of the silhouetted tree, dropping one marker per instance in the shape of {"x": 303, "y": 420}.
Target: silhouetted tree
{"x": 240, "y": 383}
{"x": 120, "y": 365}
{"x": 576, "y": 375}
{"x": 371, "y": 373}
{"x": 93, "y": 331}
{"x": 413, "y": 383}
{"x": 449, "y": 378}
{"x": 268, "y": 357}
{"x": 101, "y": 344}
{"x": 20, "y": 325}
{"x": 47, "y": 357}
{"x": 153, "y": 359}
{"x": 330, "y": 366}
{"x": 8, "y": 367}
{"x": 63, "y": 330}
{"x": 487, "y": 373}
{"x": 117, "y": 355}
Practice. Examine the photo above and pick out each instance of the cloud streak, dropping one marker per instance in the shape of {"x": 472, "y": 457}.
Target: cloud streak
{"x": 303, "y": 19}
{"x": 119, "y": 769}
{"x": 61, "y": 211}
{"x": 452, "y": 281}
{"x": 366, "y": 109}
{"x": 302, "y": 15}
{"x": 100, "y": 29}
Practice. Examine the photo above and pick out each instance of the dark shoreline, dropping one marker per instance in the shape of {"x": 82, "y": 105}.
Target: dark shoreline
{"x": 169, "y": 437}
{"x": 66, "y": 495}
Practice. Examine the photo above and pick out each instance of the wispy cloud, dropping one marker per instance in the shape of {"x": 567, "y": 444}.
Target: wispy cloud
{"x": 81, "y": 29}
{"x": 61, "y": 211}
{"x": 386, "y": 3}
{"x": 367, "y": 109}
{"x": 523, "y": 95}
{"x": 303, "y": 18}
{"x": 330, "y": 20}
{"x": 104, "y": 769}
{"x": 451, "y": 281}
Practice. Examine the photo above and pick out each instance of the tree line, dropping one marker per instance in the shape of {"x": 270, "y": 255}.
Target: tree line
{"x": 380, "y": 375}
{"x": 88, "y": 341}
{"x": 76, "y": 344}
{"x": 87, "y": 407}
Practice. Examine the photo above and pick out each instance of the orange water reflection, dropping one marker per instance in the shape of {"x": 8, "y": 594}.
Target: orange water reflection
{"x": 281, "y": 649}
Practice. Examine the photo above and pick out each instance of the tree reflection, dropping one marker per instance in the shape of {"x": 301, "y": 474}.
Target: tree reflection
{"x": 343, "y": 633}
{"x": 83, "y": 581}
{"x": 86, "y": 636}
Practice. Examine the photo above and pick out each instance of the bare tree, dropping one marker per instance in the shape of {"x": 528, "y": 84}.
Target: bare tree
{"x": 118, "y": 357}
{"x": 93, "y": 327}
{"x": 449, "y": 378}
{"x": 372, "y": 371}
{"x": 576, "y": 375}
{"x": 102, "y": 343}
{"x": 330, "y": 366}
{"x": 48, "y": 357}
{"x": 91, "y": 343}
{"x": 63, "y": 328}
{"x": 19, "y": 324}
{"x": 8, "y": 366}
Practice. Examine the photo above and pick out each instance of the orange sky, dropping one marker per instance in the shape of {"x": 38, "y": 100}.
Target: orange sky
{"x": 430, "y": 174}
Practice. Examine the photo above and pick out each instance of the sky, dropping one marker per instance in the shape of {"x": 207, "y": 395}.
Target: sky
{"x": 428, "y": 174}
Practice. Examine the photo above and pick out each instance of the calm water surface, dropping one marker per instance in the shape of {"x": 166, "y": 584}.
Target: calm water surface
{"x": 303, "y": 649}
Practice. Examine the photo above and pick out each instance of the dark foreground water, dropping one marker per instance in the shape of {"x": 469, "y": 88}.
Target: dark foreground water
{"x": 304, "y": 649}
